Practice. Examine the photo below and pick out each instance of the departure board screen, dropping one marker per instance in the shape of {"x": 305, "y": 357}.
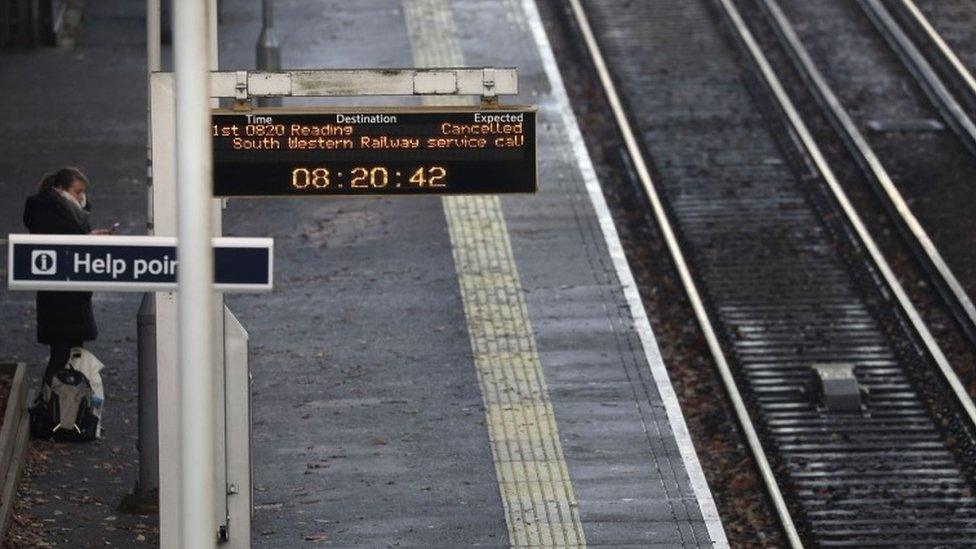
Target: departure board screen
{"x": 336, "y": 152}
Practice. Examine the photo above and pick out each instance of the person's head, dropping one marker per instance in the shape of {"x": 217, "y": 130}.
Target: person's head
{"x": 67, "y": 180}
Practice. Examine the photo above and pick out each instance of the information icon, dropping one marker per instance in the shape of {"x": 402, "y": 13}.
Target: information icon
{"x": 44, "y": 262}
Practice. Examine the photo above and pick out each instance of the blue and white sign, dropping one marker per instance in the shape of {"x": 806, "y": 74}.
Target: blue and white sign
{"x": 130, "y": 263}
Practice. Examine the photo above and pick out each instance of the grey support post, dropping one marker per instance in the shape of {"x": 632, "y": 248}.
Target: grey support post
{"x": 147, "y": 489}
{"x": 145, "y": 496}
{"x": 268, "y": 52}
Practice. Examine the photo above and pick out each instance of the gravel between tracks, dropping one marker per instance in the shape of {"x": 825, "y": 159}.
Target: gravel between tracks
{"x": 932, "y": 170}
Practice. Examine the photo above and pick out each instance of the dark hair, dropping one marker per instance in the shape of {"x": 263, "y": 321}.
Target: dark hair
{"x": 61, "y": 179}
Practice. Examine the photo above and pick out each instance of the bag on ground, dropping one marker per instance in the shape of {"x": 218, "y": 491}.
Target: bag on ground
{"x": 70, "y": 408}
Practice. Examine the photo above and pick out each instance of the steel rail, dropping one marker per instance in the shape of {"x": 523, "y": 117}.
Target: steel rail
{"x": 925, "y": 251}
{"x": 913, "y": 59}
{"x": 940, "y": 44}
{"x": 681, "y": 264}
{"x": 817, "y": 157}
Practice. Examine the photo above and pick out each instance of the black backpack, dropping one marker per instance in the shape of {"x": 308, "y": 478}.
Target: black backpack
{"x": 63, "y": 410}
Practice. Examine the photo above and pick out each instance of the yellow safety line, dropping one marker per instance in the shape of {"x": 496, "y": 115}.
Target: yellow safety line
{"x": 540, "y": 506}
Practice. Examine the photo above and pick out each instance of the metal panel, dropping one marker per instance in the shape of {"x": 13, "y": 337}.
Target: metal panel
{"x": 436, "y": 83}
{"x": 268, "y": 83}
{"x": 237, "y": 403}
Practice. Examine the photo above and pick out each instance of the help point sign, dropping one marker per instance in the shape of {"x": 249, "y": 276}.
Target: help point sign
{"x": 130, "y": 263}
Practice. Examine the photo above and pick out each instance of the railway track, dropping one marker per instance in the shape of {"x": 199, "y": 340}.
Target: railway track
{"x": 782, "y": 275}
{"x": 853, "y": 134}
{"x": 919, "y": 53}
{"x": 937, "y": 28}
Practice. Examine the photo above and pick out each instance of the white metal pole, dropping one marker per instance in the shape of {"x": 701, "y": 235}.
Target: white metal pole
{"x": 191, "y": 48}
{"x": 213, "y": 7}
{"x": 153, "y": 35}
{"x": 217, "y": 315}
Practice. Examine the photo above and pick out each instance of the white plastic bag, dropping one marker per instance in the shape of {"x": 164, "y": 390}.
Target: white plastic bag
{"x": 85, "y": 362}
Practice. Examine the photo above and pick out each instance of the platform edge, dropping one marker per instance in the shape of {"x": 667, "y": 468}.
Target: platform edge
{"x": 655, "y": 362}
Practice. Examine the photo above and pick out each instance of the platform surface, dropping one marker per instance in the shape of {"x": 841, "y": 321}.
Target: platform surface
{"x": 442, "y": 372}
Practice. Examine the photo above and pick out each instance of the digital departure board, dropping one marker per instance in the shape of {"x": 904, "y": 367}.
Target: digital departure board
{"x": 422, "y": 150}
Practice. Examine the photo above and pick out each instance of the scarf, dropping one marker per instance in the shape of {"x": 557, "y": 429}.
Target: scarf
{"x": 77, "y": 210}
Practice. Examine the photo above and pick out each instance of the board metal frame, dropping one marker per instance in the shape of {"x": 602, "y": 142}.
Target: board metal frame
{"x": 487, "y": 82}
{"x": 530, "y": 148}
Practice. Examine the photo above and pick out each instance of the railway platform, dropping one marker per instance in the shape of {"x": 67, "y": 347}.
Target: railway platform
{"x": 429, "y": 372}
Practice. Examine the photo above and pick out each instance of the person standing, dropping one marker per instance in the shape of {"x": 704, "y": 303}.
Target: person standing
{"x": 64, "y": 319}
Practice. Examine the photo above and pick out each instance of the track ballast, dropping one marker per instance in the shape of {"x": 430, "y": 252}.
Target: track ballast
{"x": 787, "y": 280}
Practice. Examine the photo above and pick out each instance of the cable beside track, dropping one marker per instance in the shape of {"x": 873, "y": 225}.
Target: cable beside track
{"x": 782, "y": 274}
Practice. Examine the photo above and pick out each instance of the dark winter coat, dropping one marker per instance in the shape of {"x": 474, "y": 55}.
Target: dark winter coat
{"x": 61, "y": 316}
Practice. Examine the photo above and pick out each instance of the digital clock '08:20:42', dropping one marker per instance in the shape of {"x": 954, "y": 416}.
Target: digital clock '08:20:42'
{"x": 311, "y": 178}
